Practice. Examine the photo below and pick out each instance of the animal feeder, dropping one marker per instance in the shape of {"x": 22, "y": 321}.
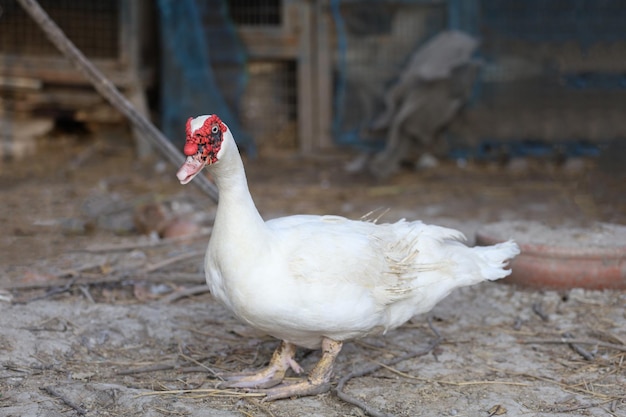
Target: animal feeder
{"x": 563, "y": 257}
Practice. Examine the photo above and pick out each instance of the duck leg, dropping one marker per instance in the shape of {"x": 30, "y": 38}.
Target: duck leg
{"x": 272, "y": 375}
{"x": 318, "y": 380}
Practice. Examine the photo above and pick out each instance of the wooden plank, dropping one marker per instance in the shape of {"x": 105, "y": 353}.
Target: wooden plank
{"x": 59, "y": 70}
{"x": 130, "y": 41}
{"x": 20, "y": 83}
{"x": 323, "y": 72}
{"x": 55, "y": 98}
{"x": 269, "y": 43}
{"x": 306, "y": 82}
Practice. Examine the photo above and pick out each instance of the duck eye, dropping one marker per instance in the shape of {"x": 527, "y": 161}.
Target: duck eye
{"x": 214, "y": 129}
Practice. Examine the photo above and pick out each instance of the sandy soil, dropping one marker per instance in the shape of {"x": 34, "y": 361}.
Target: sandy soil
{"x": 90, "y": 322}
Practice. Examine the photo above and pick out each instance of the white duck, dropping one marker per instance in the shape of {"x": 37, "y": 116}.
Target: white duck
{"x": 317, "y": 281}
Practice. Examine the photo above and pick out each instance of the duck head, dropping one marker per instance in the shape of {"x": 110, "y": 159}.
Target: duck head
{"x": 204, "y": 145}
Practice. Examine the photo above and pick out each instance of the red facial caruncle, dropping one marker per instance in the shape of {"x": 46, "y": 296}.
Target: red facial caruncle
{"x": 206, "y": 140}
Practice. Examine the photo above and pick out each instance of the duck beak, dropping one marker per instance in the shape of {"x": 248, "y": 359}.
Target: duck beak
{"x": 190, "y": 168}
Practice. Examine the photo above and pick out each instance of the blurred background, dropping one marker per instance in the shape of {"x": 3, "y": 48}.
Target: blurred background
{"x": 460, "y": 112}
{"x": 539, "y": 77}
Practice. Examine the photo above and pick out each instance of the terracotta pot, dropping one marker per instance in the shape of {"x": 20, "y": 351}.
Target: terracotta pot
{"x": 561, "y": 258}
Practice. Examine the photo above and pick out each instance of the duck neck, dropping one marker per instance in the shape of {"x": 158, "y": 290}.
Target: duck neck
{"x": 237, "y": 217}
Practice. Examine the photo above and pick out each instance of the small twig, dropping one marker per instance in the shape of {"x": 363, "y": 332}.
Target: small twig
{"x": 187, "y": 292}
{"x": 564, "y": 386}
{"x": 610, "y": 337}
{"x": 579, "y": 407}
{"x": 175, "y": 259}
{"x": 53, "y": 291}
{"x": 85, "y": 290}
{"x": 433, "y": 329}
{"x": 76, "y": 271}
{"x": 538, "y": 310}
{"x": 143, "y": 244}
{"x": 370, "y": 369}
{"x": 166, "y": 412}
{"x": 261, "y": 406}
{"x": 444, "y": 382}
{"x": 54, "y": 393}
{"x": 118, "y": 277}
{"x": 588, "y": 356}
{"x": 576, "y": 341}
{"x": 207, "y": 392}
{"x": 200, "y": 364}
{"x": 60, "y": 281}
{"x": 350, "y": 399}
{"x": 150, "y": 368}
{"x": 178, "y": 277}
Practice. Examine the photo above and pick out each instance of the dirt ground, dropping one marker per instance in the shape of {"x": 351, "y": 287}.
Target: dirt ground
{"x": 93, "y": 320}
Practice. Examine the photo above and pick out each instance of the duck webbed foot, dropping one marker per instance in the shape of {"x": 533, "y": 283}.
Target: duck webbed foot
{"x": 317, "y": 382}
{"x": 272, "y": 375}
